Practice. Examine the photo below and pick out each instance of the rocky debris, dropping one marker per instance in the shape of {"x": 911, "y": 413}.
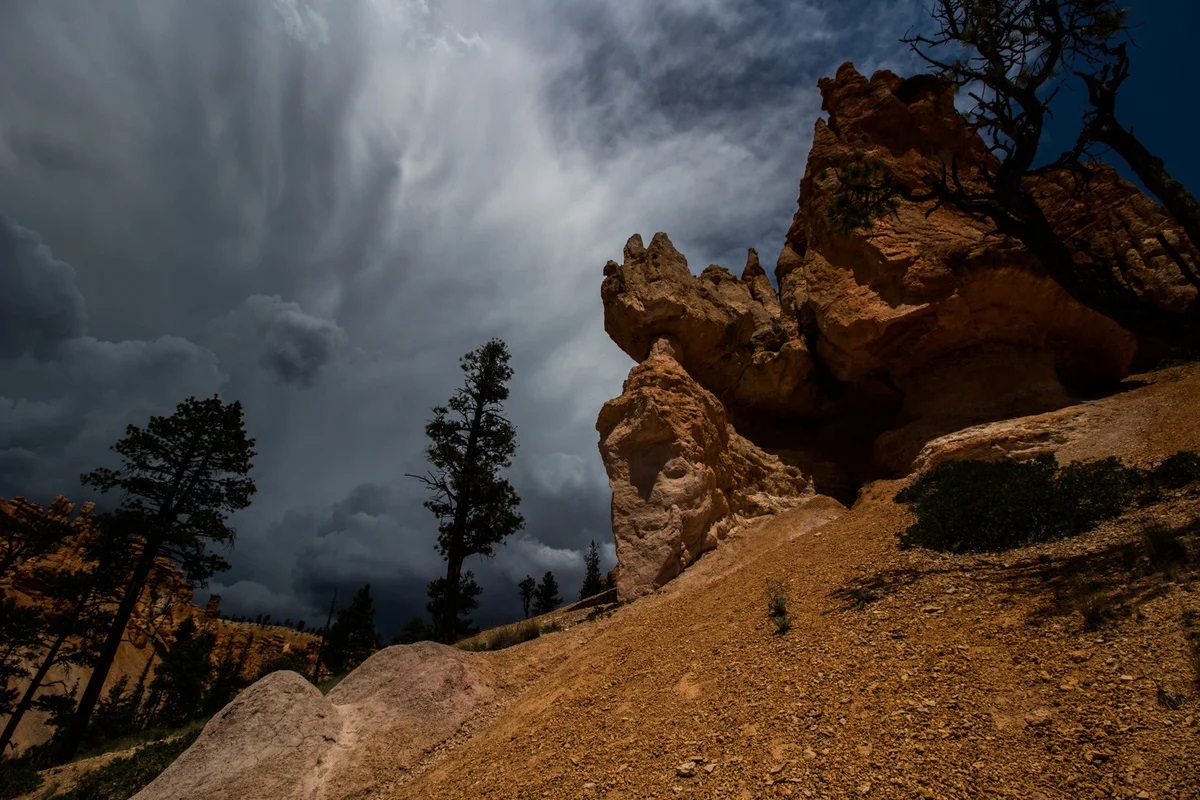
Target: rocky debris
{"x": 281, "y": 739}
{"x": 681, "y": 476}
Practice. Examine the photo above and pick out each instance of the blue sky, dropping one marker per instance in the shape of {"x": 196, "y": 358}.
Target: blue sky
{"x": 1158, "y": 100}
{"x": 316, "y": 206}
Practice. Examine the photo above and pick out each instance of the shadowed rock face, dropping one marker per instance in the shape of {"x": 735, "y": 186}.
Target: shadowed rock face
{"x": 875, "y": 343}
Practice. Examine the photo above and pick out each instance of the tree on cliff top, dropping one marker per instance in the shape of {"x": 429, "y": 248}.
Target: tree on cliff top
{"x": 470, "y": 442}
{"x": 180, "y": 476}
{"x": 1011, "y": 58}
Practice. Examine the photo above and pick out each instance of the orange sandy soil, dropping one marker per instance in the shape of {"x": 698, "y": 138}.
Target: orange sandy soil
{"x": 906, "y": 674}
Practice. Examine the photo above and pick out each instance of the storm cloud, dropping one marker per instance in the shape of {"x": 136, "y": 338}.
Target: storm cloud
{"x": 317, "y": 207}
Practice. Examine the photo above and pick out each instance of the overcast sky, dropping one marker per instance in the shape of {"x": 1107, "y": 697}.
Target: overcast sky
{"x": 317, "y": 207}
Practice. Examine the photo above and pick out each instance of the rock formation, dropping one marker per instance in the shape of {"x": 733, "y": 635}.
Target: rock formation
{"x": 681, "y": 475}
{"x": 282, "y": 740}
{"x": 876, "y": 341}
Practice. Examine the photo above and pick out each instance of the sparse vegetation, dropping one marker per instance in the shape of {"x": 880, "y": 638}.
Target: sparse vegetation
{"x": 1163, "y": 547}
{"x": 1095, "y": 606}
{"x": 17, "y": 778}
{"x": 122, "y": 778}
{"x": 777, "y": 607}
{"x": 978, "y": 506}
{"x": 503, "y": 637}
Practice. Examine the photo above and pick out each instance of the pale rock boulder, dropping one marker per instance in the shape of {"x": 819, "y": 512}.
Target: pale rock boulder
{"x": 282, "y": 740}
{"x": 681, "y": 477}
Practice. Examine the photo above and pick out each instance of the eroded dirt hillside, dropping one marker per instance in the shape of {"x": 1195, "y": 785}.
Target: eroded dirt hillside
{"x": 905, "y": 673}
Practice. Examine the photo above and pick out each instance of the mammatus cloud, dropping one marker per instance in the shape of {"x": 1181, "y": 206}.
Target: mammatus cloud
{"x": 317, "y": 206}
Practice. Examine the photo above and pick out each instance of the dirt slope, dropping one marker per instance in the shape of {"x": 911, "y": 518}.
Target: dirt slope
{"x": 905, "y": 674}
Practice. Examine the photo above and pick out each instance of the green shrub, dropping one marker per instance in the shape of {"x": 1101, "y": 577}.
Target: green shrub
{"x": 777, "y": 607}
{"x": 17, "y": 778}
{"x": 122, "y": 778}
{"x": 964, "y": 506}
{"x": 982, "y": 506}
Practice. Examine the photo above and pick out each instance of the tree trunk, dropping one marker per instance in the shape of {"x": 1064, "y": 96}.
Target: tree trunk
{"x": 1181, "y": 204}
{"x": 35, "y": 683}
{"x": 77, "y": 727}
{"x": 448, "y": 624}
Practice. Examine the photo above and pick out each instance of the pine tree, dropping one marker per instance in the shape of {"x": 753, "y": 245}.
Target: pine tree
{"x": 73, "y": 619}
{"x": 546, "y": 597}
{"x": 415, "y": 630}
{"x": 229, "y": 676}
{"x": 470, "y": 442}
{"x": 182, "y": 678}
{"x": 527, "y": 587}
{"x": 180, "y": 477}
{"x": 593, "y": 583}
{"x": 352, "y": 638}
{"x": 467, "y": 599}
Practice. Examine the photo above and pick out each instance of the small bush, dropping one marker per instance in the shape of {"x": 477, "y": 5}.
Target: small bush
{"x": 860, "y": 597}
{"x": 981, "y": 506}
{"x": 122, "y": 778}
{"x": 1094, "y": 606}
{"x": 17, "y": 778}
{"x": 553, "y": 627}
{"x": 1178, "y": 471}
{"x": 777, "y": 607}
{"x": 1162, "y": 547}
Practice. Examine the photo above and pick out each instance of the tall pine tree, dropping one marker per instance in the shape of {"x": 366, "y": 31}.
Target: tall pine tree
{"x": 180, "y": 477}
{"x": 470, "y": 442}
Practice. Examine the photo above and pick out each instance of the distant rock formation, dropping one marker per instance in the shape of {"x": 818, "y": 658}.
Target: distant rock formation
{"x": 874, "y": 343}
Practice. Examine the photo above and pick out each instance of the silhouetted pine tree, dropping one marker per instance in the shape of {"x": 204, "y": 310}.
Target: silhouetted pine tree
{"x": 352, "y": 638}
{"x": 546, "y": 597}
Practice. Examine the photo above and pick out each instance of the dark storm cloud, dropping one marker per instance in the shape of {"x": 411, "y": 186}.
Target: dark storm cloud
{"x": 317, "y": 207}
{"x": 294, "y": 345}
{"x": 40, "y": 305}
{"x": 66, "y": 395}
